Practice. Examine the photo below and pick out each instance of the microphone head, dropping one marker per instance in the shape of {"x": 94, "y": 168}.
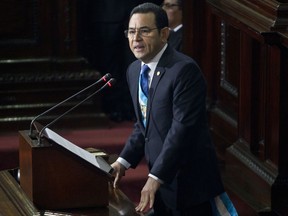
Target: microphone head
{"x": 111, "y": 82}
{"x": 106, "y": 77}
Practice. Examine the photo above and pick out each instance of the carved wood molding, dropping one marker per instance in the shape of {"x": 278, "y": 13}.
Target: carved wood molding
{"x": 223, "y": 115}
{"x": 48, "y": 77}
{"x": 262, "y": 169}
{"x": 260, "y": 15}
{"x": 224, "y": 83}
{"x": 41, "y": 71}
{"x": 15, "y": 195}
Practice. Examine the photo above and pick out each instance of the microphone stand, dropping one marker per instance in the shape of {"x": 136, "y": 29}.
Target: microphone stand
{"x": 110, "y": 83}
{"x": 104, "y": 78}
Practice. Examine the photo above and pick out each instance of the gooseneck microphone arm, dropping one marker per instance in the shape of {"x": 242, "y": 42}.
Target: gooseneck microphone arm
{"x": 110, "y": 83}
{"x": 105, "y": 78}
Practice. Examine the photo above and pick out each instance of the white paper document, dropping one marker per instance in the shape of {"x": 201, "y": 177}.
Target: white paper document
{"x": 99, "y": 162}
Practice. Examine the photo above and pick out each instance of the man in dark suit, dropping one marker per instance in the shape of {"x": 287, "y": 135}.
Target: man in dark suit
{"x": 171, "y": 129}
{"x": 173, "y": 9}
{"x": 102, "y": 42}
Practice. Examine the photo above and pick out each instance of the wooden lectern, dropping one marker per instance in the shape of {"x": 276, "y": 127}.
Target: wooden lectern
{"x": 55, "y": 178}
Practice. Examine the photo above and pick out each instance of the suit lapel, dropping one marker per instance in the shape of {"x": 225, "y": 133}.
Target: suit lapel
{"x": 159, "y": 72}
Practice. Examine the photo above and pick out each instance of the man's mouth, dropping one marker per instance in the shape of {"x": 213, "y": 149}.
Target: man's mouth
{"x": 138, "y": 48}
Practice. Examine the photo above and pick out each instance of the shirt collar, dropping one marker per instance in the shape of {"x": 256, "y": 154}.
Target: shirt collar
{"x": 153, "y": 63}
{"x": 177, "y": 28}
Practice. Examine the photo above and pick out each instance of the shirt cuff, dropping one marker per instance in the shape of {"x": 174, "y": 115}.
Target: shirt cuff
{"x": 125, "y": 163}
{"x": 156, "y": 178}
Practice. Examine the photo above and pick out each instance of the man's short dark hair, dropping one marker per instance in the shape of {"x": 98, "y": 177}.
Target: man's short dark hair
{"x": 161, "y": 18}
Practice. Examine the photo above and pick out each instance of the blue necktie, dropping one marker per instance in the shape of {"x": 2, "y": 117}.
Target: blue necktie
{"x": 144, "y": 79}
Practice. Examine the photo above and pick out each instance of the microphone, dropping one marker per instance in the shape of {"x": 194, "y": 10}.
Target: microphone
{"x": 109, "y": 84}
{"x": 105, "y": 78}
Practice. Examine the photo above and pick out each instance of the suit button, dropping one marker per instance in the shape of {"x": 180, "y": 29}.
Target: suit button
{"x": 146, "y": 140}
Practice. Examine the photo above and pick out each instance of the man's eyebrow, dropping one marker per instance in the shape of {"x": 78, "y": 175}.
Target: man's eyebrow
{"x": 142, "y": 27}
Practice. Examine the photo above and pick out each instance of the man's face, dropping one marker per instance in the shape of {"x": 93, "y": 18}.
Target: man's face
{"x": 145, "y": 40}
{"x": 173, "y": 11}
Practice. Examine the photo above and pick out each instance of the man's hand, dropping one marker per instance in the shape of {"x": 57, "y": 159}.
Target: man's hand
{"x": 119, "y": 171}
{"x": 148, "y": 194}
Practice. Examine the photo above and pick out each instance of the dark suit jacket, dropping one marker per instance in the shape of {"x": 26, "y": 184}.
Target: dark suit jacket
{"x": 175, "y": 39}
{"x": 176, "y": 142}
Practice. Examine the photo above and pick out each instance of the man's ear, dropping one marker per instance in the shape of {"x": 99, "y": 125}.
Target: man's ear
{"x": 165, "y": 34}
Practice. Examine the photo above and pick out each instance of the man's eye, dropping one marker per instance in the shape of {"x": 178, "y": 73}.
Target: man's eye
{"x": 131, "y": 32}
{"x": 145, "y": 31}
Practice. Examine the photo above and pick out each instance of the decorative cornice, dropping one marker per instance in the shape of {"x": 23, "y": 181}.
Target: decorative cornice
{"x": 259, "y": 15}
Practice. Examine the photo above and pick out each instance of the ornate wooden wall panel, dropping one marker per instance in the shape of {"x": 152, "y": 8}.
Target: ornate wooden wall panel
{"x": 40, "y": 64}
{"x": 243, "y": 55}
{"x": 254, "y": 156}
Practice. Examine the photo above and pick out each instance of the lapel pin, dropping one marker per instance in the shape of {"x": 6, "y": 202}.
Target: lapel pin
{"x": 158, "y": 73}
